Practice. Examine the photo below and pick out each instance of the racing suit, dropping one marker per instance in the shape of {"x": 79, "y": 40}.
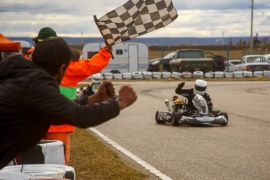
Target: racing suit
{"x": 189, "y": 94}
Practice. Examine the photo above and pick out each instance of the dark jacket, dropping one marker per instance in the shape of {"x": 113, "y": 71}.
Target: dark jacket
{"x": 30, "y": 102}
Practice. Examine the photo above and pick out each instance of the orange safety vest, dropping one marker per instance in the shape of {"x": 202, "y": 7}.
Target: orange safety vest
{"x": 77, "y": 71}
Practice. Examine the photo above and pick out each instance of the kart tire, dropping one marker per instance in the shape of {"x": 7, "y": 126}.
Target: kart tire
{"x": 226, "y": 116}
{"x": 175, "y": 118}
{"x": 157, "y": 120}
{"x": 216, "y": 112}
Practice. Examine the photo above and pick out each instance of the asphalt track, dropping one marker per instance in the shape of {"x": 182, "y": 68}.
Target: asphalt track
{"x": 238, "y": 151}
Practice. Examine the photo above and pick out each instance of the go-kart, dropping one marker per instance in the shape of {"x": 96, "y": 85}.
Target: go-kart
{"x": 178, "y": 113}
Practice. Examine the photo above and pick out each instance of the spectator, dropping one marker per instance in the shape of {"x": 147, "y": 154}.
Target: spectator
{"x": 30, "y": 100}
{"x": 78, "y": 70}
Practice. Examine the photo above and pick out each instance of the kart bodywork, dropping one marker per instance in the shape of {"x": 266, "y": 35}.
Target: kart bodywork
{"x": 178, "y": 113}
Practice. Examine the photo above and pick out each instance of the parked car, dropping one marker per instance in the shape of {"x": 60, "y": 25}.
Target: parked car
{"x": 253, "y": 63}
{"x": 230, "y": 66}
{"x": 235, "y": 61}
{"x": 159, "y": 65}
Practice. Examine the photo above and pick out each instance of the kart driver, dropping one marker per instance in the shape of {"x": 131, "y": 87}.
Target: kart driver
{"x": 94, "y": 86}
{"x": 199, "y": 88}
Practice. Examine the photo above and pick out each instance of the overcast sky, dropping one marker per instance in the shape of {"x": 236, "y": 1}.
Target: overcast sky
{"x": 196, "y": 18}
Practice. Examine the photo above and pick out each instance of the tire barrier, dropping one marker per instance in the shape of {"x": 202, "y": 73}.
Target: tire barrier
{"x": 127, "y": 75}
{"x": 117, "y": 76}
{"x": 38, "y": 171}
{"x": 198, "y": 74}
{"x": 247, "y": 74}
{"x": 45, "y": 152}
{"x": 176, "y": 75}
{"x": 147, "y": 75}
{"x": 195, "y": 74}
{"x": 258, "y": 73}
{"x": 157, "y": 75}
{"x": 186, "y": 74}
{"x": 219, "y": 74}
{"x": 137, "y": 75}
{"x": 228, "y": 74}
{"x": 166, "y": 75}
{"x": 209, "y": 74}
{"x": 266, "y": 73}
{"x": 7, "y": 175}
{"x": 238, "y": 74}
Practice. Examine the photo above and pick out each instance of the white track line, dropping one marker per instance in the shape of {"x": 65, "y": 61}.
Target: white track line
{"x": 147, "y": 166}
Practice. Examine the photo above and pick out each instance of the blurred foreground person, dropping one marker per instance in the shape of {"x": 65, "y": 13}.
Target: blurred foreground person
{"x": 30, "y": 100}
{"x": 78, "y": 70}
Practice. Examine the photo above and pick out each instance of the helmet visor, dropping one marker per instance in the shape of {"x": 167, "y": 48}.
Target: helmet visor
{"x": 199, "y": 88}
{"x": 96, "y": 79}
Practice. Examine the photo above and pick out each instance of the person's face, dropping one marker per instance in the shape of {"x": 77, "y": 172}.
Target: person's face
{"x": 60, "y": 74}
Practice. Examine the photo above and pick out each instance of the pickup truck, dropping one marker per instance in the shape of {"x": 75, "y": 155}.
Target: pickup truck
{"x": 219, "y": 61}
{"x": 191, "y": 60}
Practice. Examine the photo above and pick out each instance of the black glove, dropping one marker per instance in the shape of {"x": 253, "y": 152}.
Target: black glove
{"x": 181, "y": 85}
{"x": 179, "y": 88}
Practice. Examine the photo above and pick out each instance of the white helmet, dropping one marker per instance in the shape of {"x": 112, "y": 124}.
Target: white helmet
{"x": 96, "y": 78}
{"x": 199, "y": 86}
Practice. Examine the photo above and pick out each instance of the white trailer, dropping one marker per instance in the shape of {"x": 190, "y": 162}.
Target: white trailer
{"x": 128, "y": 57}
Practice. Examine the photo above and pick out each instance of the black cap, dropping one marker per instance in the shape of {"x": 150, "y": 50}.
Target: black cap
{"x": 51, "y": 54}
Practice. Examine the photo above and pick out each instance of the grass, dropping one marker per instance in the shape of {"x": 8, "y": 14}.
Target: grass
{"x": 93, "y": 160}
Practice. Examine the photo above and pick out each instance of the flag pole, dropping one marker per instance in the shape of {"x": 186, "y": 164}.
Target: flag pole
{"x": 95, "y": 19}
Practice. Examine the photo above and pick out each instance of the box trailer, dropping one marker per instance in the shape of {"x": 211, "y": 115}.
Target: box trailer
{"x": 127, "y": 57}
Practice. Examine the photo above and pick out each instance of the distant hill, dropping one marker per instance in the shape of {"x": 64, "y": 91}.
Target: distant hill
{"x": 165, "y": 41}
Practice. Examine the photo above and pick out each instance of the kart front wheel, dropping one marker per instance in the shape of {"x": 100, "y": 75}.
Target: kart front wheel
{"x": 175, "y": 118}
{"x": 158, "y": 121}
{"x": 226, "y": 116}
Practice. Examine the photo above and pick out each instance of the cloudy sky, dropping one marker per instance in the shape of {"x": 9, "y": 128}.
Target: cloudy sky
{"x": 196, "y": 18}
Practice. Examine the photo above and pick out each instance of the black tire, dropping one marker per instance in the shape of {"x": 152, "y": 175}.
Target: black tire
{"x": 157, "y": 120}
{"x": 226, "y": 116}
{"x": 175, "y": 118}
{"x": 216, "y": 112}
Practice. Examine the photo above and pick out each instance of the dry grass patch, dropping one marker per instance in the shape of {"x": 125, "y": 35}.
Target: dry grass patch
{"x": 92, "y": 159}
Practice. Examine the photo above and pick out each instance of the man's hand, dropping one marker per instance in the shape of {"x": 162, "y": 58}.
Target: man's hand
{"x": 126, "y": 97}
{"x": 105, "y": 91}
{"x": 109, "y": 49}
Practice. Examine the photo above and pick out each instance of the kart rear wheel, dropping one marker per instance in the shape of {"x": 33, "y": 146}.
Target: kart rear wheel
{"x": 216, "y": 112}
{"x": 157, "y": 120}
{"x": 175, "y": 118}
{"x": 226, "y": 116}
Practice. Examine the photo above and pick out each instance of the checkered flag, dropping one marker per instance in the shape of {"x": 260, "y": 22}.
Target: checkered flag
{"x": 135, "y": 18}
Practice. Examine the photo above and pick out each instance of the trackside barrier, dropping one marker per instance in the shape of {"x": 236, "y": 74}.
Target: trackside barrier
{"x": 45, "y": 152}
{"x": 38, "y": 171}
{"x": 177, "y": 75}
{"x": 7, "y": 175}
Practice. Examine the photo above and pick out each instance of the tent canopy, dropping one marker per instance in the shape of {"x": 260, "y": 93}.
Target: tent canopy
{"x": 7, "y": 45}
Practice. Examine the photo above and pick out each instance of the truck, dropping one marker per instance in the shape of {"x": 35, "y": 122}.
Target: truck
{"x": 218, "y": 60}
{"x": 127, "y": 57}
{"x": 190, "y": 60}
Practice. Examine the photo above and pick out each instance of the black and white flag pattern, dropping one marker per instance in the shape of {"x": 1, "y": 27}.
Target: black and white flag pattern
{"x": 135, "y": 18}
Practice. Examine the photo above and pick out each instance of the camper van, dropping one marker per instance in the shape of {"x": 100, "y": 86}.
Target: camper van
{"x": 127, "y": 57}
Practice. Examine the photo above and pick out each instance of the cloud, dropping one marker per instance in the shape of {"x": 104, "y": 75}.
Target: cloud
{"x": 197, "y": 18}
